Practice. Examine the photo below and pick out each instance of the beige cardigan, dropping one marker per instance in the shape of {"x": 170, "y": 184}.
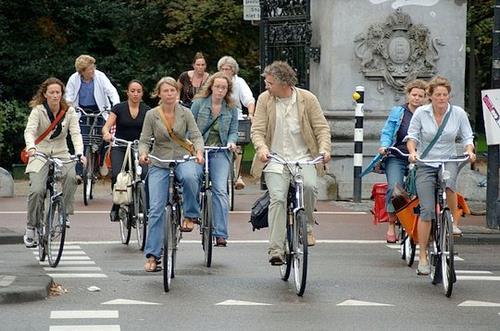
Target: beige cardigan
{"x": 164, "y": 147}
{"x": 314, "y": 127}
{"x": 38, "y": 122}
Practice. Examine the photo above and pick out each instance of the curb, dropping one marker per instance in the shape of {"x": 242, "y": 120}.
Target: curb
{"x": 8, "y": 237}
{"x": 478, "y": 239}
{"x": 17, "y": 289}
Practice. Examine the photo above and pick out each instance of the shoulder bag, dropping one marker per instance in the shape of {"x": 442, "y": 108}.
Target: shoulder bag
{"x": 184, "y": 143}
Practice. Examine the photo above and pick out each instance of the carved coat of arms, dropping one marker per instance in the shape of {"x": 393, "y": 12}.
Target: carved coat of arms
{"x": 397, "y": 51}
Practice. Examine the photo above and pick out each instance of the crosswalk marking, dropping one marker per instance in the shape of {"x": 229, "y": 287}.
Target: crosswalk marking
{"x": 63, "y": 263}
{"x": 473, "y": 272}
{"x": 490, "y": 278}
{"x": 66, "y": 253}
{"x": 84, "y": 328}
{"x": 71, "y": 258}
{"x": 62, "y": 314}
{"x": 82, "y": 275}
{"x": 59, "y": 268}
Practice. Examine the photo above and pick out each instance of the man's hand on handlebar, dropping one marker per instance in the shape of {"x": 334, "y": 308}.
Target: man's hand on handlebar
{"x": 263, "y": 154}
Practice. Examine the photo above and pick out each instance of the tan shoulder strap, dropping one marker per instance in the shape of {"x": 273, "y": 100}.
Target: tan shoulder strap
{"x": 178, "y": 140}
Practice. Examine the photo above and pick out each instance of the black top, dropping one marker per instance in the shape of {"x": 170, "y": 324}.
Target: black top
{"x": 129, "y": 128}
{"x": 403, "y": 130}
{"x": 188, "y": 90}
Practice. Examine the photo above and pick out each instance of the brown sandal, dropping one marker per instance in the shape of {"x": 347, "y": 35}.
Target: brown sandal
{"x": 151, "y": 264}
{"x": 187, "y": 225}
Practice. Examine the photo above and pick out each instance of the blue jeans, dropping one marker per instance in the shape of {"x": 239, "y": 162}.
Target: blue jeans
{"x": 218, "y": 163}
{"x": 189, "y": 175}
{"x": 395, "y": 170}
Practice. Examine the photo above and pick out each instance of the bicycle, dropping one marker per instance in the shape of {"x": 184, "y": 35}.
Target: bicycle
{"x": 408, "y": 247}
{"x": 93, "y": 143}
{"x": 296, "y": 227}
{"x": 134, "y": 215}
{"x": 440, "y": 249}
{"x": 51, "y": 229}
{"x": 173, "y": 219}
{"x": 206, "y": 228}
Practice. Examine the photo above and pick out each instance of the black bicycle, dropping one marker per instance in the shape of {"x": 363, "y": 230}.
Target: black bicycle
{"x": 51, "y": 229}
{"x": 296, "y": 227}
{"x": 93, "y": 143}
{"x": 135, "y": 214}
{"x": 441, "y": 250}
{"x": 206, "y": 228}
{"x": 173, "y": 219}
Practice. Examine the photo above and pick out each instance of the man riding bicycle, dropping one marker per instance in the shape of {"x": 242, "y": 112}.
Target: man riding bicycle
{"x": 288, "y": 121}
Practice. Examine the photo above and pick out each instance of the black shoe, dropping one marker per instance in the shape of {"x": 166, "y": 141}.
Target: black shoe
{"x": 276, "y": 260}
{"x": 79, "y": 180}
{"x": 220, "y": 242}
{"x": 113, "y": 216}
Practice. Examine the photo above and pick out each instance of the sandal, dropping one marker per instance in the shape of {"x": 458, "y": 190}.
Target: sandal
{"x": 187, "y": 225}
{"x": 151, "y": 264}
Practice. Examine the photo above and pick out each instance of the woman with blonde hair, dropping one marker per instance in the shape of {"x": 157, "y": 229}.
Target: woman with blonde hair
{"x": 180, "y": 122}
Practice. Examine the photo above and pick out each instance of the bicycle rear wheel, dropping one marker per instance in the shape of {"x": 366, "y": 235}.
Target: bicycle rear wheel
{"x": 88, "y": 173}
{"x": 447, "y": 254}
{"x": 207, "y": 228}
{"x": 140, "y": 214}
{"x": 402, "y": 241}
{"x": 300, "y": 252}
{"x": 410, "y": 248}
{"x": 167, "y": 250}
{"x": 287, "y": 267}
{"x": 56, "y": 224}
{"x": 125, "y": 224}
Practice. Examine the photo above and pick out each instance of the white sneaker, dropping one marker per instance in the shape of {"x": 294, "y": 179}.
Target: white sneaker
{"x": 456, "y": 230}
{"x": 29, "y": 238}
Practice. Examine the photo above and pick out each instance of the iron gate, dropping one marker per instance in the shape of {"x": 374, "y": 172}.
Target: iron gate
{"x": 285, "y": 34}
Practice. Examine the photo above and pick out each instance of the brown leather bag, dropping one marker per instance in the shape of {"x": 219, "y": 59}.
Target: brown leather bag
{"x": 184, "y": 143}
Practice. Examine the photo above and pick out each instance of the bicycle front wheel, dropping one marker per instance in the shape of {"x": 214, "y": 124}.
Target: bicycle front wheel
{"x": 167, "y": 250}
{"x": 125, "y": 224}
{"x": 56, "y": 225}
{"x": 207, "y": 228}
{"x": 88, "y": 172}
{"x": 230, "y": 185}
{"x": 42, "y": 228}
{"x": 300, "y": 252}
{"x": 140, "y": 214}
{"x": 447, "y": 257}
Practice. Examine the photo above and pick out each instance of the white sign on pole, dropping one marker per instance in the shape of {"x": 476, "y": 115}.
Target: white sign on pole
{"x": 251, "y": 10}
{"x": 491, "y": 115}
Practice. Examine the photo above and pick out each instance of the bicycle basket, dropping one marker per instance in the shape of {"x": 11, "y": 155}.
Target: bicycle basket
{"x": 408, "y": 216}
{"x": 260, "y": 209}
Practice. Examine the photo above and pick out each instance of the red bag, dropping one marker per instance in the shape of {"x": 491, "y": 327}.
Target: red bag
{"x": 378, "y": 196}
{"x": 24, "y": 156}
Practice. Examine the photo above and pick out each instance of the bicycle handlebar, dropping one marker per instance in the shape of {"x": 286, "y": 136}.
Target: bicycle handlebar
{"x": 281, "y": 160}
{"x": 72, "y": 158}
{"x": 123, "y": 142}
{"x": 81, "y": 110}
{"x": 456, "y": 160}
{"x": 398, "y": 151}
{"x": 185, "y": 159}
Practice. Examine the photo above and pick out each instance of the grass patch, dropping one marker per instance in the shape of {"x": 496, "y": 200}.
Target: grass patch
{"x": 480, "y": 141}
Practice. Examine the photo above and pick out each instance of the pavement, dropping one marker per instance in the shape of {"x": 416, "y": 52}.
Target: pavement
{"x": 22, "y": 281}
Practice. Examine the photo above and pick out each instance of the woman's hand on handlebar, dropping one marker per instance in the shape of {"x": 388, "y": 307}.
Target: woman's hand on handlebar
{"x": 144, "y": 159}
{"x": 472, "y": 156}
{"x": 83, "y": 160}
{"x": 232, "y": 147}
{"x": 413, "y": 157}
{"x": 382, "y": 150}
{"x": 199, "y": 157}
{"x": 107, "y": 137}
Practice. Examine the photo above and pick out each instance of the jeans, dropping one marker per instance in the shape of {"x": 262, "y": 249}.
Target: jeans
{"x": 189, "y": 176}
{"x": 278, "y": 185}
{"x": 219, "y": 173}
{"x": 395, "y": 170}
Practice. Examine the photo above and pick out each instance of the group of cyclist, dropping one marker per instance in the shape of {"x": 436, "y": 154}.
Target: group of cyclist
{"x": 286, "y": 120}
{"x": 413, "y": 128}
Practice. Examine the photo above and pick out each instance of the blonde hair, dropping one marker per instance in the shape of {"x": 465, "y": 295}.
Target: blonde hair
{"x": 164, "y": 80}
{"x": 83, "y": 62}
{"x": 206, "y": 90}
{"x": 39, "y": 97}
{"x": 230, "y": 61}
{"x": 416, "y": 83}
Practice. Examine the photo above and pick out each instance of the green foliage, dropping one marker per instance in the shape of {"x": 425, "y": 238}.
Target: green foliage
{"x": 13, "y": 118}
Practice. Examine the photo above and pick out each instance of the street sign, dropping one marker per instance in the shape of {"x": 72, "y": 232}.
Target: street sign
{"x": 491, "y": 115}
{"x": 251, "y": 10}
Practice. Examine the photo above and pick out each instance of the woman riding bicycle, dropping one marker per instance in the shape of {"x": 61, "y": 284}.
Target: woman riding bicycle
{"x": 169, "y": 124}
{"x": 46, "y": 105}
{"x": 217, "y": 119}
{"x": 191, "y": 81}
{"x": 128, "y": 116}
{"x": 392, "y": 135}
{"x": 422, "y": 131}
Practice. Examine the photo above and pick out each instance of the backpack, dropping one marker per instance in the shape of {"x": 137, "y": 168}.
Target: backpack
{"x": 260, "y": 209}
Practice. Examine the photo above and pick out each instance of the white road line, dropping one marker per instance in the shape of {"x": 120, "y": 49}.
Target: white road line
{"x": 128, "y": 302}
{"x": 490, "y": 278}
{"x": 59, "y": 268}
{"x": 6, "y": 280}
{"x": 66, "y": 253}
{"x": 60, "y": 314}
{"x": 82, "y": 275}
{"x": 72, "y": 258}
{"x": 321, "y": 241}
{"x": 473, "y": 303}
{"x": 66, "y": 247}
{"x": 84, "y": 328}
{"x": 362, "y": 303}
{"x": 473, "y": 272}
{"x": 241, "y": 303}
{"x": 62, "y": 263}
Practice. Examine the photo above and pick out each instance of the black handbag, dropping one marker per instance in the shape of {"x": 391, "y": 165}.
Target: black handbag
{"x": 260, "y": 209}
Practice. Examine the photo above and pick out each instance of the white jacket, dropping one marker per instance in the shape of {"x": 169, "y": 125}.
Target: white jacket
{"x": 105, "y": 93}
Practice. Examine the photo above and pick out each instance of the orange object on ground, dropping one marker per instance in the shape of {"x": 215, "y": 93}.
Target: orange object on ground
{"x": 408, "y": 216}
